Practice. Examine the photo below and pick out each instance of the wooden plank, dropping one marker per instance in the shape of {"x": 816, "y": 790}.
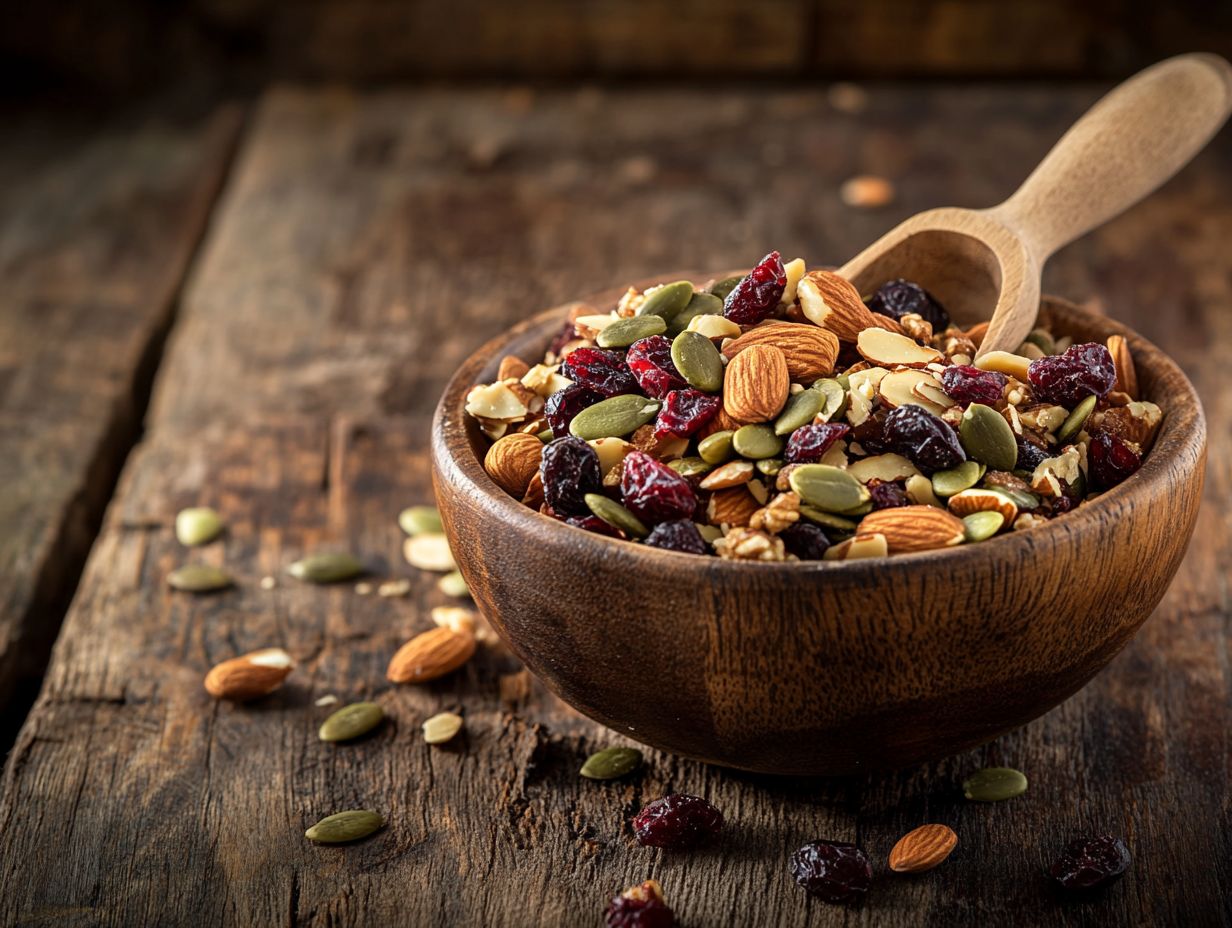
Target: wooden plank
{"x": 367, "y": 243}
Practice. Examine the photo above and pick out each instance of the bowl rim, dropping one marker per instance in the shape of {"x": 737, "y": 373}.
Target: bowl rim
{"x": 1183, "y": 429}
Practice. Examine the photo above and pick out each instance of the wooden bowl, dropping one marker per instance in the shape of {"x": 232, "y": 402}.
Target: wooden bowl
{"x": 819, "y": 667}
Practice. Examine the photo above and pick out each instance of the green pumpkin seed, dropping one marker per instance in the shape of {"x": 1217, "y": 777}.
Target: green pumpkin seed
{"x": 326, "y": 568}
{"x": 616, "y": 515}
{"x": 611, "y": 763}
{"x": 615, "y": 417}
{"x": 689, "y": 467}
{"x": 545, "y": 436}
{"x": 770, "y": 466}
{"x": 716, "y": 447}
{"x": 721, "y": 288}
{"x": 698, "y": 361}
{"x": 987, "y": 437}
{"x": 979, "y": 526}
{"x": 351, "y": 721}
{"x": 1076, "y": 420}
{"x": 830, "y": 489}
{"x": 342, "y": 827}
{"x": 993, "y": 784}
{"x": 1023, "y": 499}
{"x": 420, "y": 520}
{"x": 756, "y": 442}
{"x": 197, "y": 526}
{"x": 800, "y": 410}
{"x": 667, "y": 300}
{"x": 624, "y": 332}
{"x": 963, "y": 477}
{"x": 700, "y": 304}
{"x": 1042, "y": 339}
{"x": 453, "y": 584}
{"x": 199, "y": 578}
{"x": 835, "y": 392}
{"x": 828, "y": 520}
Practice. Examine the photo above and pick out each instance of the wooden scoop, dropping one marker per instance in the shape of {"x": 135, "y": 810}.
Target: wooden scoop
{"x": 987, "y": 263}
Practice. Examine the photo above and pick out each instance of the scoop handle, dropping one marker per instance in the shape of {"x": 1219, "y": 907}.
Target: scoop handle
{"x": 1123, "y": 148}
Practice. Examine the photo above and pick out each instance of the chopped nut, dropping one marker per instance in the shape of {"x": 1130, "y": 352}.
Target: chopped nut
{"x": 782, "y": 511}
{"x": 917, "y": 327}
{"x": 391, "y": 588}
{"x": 495, "y": 401}
{"x": 743, "y": 544}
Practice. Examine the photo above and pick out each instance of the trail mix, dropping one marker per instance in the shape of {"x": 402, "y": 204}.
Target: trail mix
{"x": 781, "y": 416}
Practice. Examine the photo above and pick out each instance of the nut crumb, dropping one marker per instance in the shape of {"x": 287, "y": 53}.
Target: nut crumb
{"x": 394, "y": 588}
{"x": 867, "y": 191}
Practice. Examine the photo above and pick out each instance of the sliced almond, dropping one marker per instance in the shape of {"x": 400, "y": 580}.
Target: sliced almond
{"x": 611, "y": 451}
{"x": 795, "y": 273}
{"x": 920, "y": 491}
{"x": 914, "y": 528}
{"x": 862, "y": 545}
{"x": 976, "y": 500}
{"x": 903, "y": 388}
{"x": 1126, "y": 373}
{"x": 495, "y": 401}
{"x": 511, "y": 366}
{"x": 834, "y": 303}
{"x": 1005, "y": 362}
{"x": 250, "y": 676}
{"x": 885, "y": 467}
{"x": 731, "y": 474}
{"x": 889, "y": 349}
{"x": 714, "y": 326}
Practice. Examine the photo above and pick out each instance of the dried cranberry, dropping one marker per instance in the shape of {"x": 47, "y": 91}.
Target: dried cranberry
{"x": 680, "y": 535}
{"x": 928, "y": 442}
{"x": 594, "y": 524}
{"x": 654, "y": 492}
{"x": 677, "y": 822}
{"x": 1066, "y": 379}
{"x": 650, "y": 359}
{"x": 810, "y": 442}
{"x": 686, "y": 411}
{"x": 1110, "y": 460}
{"x": 569, "y": 469}
{"x": 966, "y": 385}
{"x": 758, "y": 293}
{"x": 1089, "y": 863}
{"x": 1030, "y": 455}
{"x": 888, "y": 496}
{"x": 639, "y": 907}
{"x": 602, "y": 371}
{"x": 833, "y": 871}
{"x": 805, "y": 540}
{"x": 900, "y": 298}
{"x": 564, "y": 404}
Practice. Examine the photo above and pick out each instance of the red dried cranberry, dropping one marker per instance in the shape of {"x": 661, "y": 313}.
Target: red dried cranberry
{"x": 1089, "y": 863}
{"x": 833, "y": 871}
{"x": 966, "y": 385}
{"x": 900, "y": 298}
{"x": 594, "y": 524}
{"x": 686, "y": 411}
{"x": 805, "y": 540}
{"x": 758, "y": 293}
{"x": 601, "y": 371}
{"x": 639, "y": 907}
{"x": 650, "y": 359}
{"x": 1066, "y": 379}
{"x": 677, "y": 822}
{"x": 1030, "y": 455}
{"x": 888, "y": 496}
{"x": 563, "y": 405}
{"x": 654, "y": 492}
{"x": 569, "y": 469}
{"x": 1110, "y": 460}
{"x": 680, "y": 535}
{"x": 810, "y": 442}
{"x": 928, "y": 442}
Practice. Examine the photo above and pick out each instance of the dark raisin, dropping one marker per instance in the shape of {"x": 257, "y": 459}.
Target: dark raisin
{"x": 928, "y": 442}
{"x": 569, "y": 469}
{"x": 639, "y": 907}
{"x": 567, "y": 333}
{"x": 1110, "y": 460}
{"x": 966, "y": 385}
{"x": 594, "y": 524}
{"x": 757, "y": 295}
{"x": 871, "y": 433}
{"x": 888, "y": 496}
{"x": 833, "y": 871}
{"x": 1066, "y": 379}
{"x": 805, "y": 540}
{"x": 650, "y": 359}
{"x": 564, "y": 404}
{"x": 900, "y": 298}
{"x": 1089, "y": 863}
{"x": 680, "y": 535}
{"x": 810, "y": 442}
{"x": 654, "y": 492}
{"x": 1030, "y": 455}
{"x": 684, "y": 412}
{"x": 602, "y": 371}
{"x": 677, "y": 822}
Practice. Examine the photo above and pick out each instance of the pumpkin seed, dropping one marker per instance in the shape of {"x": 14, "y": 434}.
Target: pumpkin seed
{"x": 1076, "y": 420}
{"x": 987, "y": 437}
{"x": 421, "y": 520}
{"x": 1023, "y": 499}
{"x": 756, "y": 442}
{"x": 828, "y": 520}
{"x": 614, "y": 417}
{"x": 700, "y": 304}
{"x": 197, "y": 526}
{"x": 800, "y": 410}
{"x": 199, "y": 578}
{"x": 770, "y": 466}
{"x": 830, "y": 489}
{"x": 545, "y": 436}
{"x": 442, "y": 727}
{"x": 624, "y": 332}
{"x": 979, "y": 526}
{"x": 1042, "y": 339}
{"x": 453, "y": 584}
{"x": 616, "y": 515}
{"x": 326, "y": 568}
{"x": 955, "y": 480}
{"x": 993, "y": 784}
{"x": 611, "y": 763}
{"x": 721, "y": 288}
{"x": 835, "y": 392}
{"x": 351, "y": 721}
{"x": 689, "y": 467}
{"x": 667, "y": 301}
{"x": 342, "y": 827}
{"x": 716, "y": 447}
{"x": 698, "y": 361}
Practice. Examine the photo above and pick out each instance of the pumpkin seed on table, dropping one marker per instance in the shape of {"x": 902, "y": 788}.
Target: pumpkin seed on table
{"x": 956, "y": 479}
{"x": 830, "y": 489}
{"x": 800, "y": 410}
{"x": 420, "y": 520}
{"x": 1077, "y": 419}
{"x": 994, "y": 784}
{"x": 326, "y": 568}
{"x": 980, "y": 526}
{"x": 756, "y": 442}
{"x": 199, "y": 578}
{"x": 453, "y": 584}
{"x": 611, "y": 763}
{"x": 624, "y": 332}
{"x": 442, "y": 727}
{"x": 342, "y": 827}
{"x": 615, "y": 515}
{"x": 351, "y": 721}
{"x": 667, "y": 301}
{"x": 721, "y": 288}
{"x": 716, "y": 447}
{"x": 700, "y": 304}
{"x": 197, "y": 526}
{"x": 614, "y": 417}
{"x": 987, "y": 437}
{"x": 698, "y": 361}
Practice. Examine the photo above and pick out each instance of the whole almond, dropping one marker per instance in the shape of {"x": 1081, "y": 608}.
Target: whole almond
{"x": 834, "y": 303}
{"x": 734, "y": 506}
{"x": 249, "y": 676}
{"x": 810, "y": 350}
{"x": 721, "y": 422}
{"x": 922, "y": 849}
{"x": 1126, "y": 373}
{"x": 914, "y": 528}
{"x": 430, "y": 655}
{"x": 756, "y": 384}
{"x": 511, "y": 366}
{"x": 513, "y": 461}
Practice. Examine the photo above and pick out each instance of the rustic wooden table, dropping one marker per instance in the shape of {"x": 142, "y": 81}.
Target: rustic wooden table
{"x": 321, "y": 261}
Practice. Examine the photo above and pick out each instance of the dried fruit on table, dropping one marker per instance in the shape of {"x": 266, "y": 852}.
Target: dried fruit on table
{"x": 833, "y": 871}
{"x": 677, "y": 822}
{"x": 639, "y": 907}
{"x": 1090, "y": 863}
